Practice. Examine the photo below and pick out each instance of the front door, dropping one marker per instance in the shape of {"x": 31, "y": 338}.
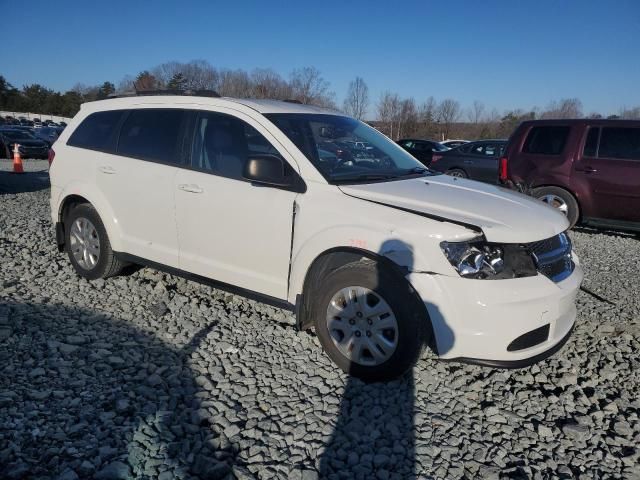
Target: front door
{"x": 228, "y": 229}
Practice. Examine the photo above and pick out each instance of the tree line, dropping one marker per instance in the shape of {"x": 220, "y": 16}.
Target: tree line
{"x": 395, "y": 116}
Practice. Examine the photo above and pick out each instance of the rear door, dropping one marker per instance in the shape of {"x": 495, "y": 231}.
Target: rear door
{"x": 138, "y": 182}
{"x": 610, "y": 166}
{"x": 229, "y": 229}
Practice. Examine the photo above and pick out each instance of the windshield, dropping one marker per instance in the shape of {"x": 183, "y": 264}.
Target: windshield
{"x": 17, "y": 135}
{"x": 345, "y": 150}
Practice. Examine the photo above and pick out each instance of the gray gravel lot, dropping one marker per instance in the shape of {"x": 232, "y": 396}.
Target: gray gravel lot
{"x": 152, "y": 376}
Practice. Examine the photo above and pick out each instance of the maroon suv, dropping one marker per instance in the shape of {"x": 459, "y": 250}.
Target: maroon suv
{"x": 589, "y": 169}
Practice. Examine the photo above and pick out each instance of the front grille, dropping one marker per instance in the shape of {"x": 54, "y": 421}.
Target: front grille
{"x": 553, "y": 257}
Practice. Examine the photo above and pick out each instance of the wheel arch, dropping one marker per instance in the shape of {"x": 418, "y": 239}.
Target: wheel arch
{"x": 76, "y": 196}
{"x": 336, "y": 257}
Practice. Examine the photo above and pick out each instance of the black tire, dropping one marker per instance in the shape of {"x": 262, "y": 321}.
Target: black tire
{"x": 572, "y": 210}
{"x": 414, "y": 330}
{"x": 457, "y": 172}
{"x": 107, "y": 264}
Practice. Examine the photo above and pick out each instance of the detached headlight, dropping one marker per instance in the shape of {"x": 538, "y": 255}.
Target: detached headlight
{"x": 482, "y": 260}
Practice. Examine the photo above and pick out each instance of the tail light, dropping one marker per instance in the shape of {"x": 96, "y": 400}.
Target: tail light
{"x": 435, "y": 158}
{"x": 52, "y": 155}
{"x": 502, "y": 169}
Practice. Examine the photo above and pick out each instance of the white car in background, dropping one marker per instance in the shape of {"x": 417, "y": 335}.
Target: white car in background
{"x": 379, "y": 255}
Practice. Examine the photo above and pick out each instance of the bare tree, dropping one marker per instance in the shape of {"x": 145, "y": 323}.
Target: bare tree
{"x": 357, "y": 101}
{"x": 234, "y": 83}
{"x": 448, "y": 114}
{"x": 269, "y": 84}
{"x": 387, "y": 110}
{"x": 309, "y": 87}
{"x": 565, "y": 108}
{"x": 630, "y": 113}
{"x": 126, "y": 84}
{"x": 476, "y": 112}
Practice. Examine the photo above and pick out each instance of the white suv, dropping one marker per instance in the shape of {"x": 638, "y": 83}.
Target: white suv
{"x": 380, "y": 255}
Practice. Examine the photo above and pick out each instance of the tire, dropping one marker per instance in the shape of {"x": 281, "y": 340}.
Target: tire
{"x": 560, "y": 199}
{"x": 412, "y": 330}
{"x": 457, "y": 172}
{"x": 84, "y": 225}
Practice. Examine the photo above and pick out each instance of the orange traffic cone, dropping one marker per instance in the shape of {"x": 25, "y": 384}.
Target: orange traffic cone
{"x": 17, "y": 161}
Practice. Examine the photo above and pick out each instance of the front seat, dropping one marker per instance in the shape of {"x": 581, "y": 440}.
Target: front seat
{"x": 226, "y": 147}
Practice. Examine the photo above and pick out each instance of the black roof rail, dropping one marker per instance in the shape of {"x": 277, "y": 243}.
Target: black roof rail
{"x": 188, "y": 93}
{"x": 292, "y": 100}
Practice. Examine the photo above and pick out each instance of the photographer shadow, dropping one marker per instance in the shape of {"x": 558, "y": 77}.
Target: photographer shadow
{"x": 375, "y": 432}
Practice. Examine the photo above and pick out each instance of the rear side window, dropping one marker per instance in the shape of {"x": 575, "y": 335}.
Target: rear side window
{"x": 620, "y": 143}
{"x": 152, "y": 134}
{"x": 546, "y": 140}
{"x": 591, "y": 145}
{"x": 96, "y": 131}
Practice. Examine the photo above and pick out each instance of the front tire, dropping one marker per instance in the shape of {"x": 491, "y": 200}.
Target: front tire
{"x": 560, "y": 199}
{"x": 87, "y": 244}
{"x": 369, "y": 322}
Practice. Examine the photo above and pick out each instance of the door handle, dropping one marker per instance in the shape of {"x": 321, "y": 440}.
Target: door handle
{"x": 587, "y": 169}
{"x": 190, "y": 187}
{"x": 469, "y": 162}
{"x": 107, "y": 169}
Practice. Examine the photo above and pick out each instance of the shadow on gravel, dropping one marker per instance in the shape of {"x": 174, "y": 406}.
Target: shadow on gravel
{"x": 86, "y": 395}
{"x": 12, "y": 183}
{"x": 375, "y": 435}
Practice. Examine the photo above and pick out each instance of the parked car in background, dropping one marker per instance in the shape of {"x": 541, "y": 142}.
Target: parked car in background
{"x": 29, "y": 145}
{"x": 48, "y": 134}
{"x": 588, "y": 169}
{"x": 423, "y": 150}
{"x": 26, "y": 122}
{"x": 474, "y": 160}
{"x": 62, "y": 123}
{"x": 379, "y": 254}
{"x": 454, "y": 143}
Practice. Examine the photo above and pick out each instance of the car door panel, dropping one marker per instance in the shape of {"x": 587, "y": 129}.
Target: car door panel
{"x": 228, "y": 229}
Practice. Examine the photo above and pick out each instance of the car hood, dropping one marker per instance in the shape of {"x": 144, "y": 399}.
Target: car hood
{"x": 503, "y": 215}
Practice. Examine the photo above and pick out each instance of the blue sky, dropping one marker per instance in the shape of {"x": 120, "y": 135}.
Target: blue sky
{"x": 507, "y": 54}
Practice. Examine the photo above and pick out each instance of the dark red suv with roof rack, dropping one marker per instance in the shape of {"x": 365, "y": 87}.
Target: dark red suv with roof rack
{"x": 589, "y": 169}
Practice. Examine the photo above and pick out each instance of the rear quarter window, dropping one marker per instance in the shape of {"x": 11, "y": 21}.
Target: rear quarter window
{"x": 96, "y": 132}
{"x": 549, "y": 140}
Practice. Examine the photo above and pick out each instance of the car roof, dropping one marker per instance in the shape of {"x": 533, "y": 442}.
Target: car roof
{"x": 261, "y": 106}
{"x": 582, "y": 121}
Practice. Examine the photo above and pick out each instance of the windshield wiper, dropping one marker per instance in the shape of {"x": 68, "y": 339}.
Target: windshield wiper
{"x": 363, "y": 176}
{"x": 415, "y": 171}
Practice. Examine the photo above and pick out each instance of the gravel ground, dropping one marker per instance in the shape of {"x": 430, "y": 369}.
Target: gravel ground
{"x": 152, "y": 376}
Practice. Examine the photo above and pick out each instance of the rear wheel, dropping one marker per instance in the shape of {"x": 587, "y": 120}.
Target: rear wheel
{"x": 368, "y": 322}
{"x": 457, "y": 172}
{"x": 88, "y": 245}
{"x": 560, "y": 199}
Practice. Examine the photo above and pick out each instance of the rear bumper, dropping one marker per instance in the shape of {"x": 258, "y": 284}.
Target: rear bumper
{"x": 480, "y": 321}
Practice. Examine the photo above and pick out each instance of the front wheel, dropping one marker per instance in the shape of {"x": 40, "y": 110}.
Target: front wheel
{"x": 368, "y": 321}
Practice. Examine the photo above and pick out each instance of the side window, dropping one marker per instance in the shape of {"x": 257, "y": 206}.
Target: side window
{"x": 152, "y": 134}
{"x": 620, "y": 143}
{"x": 477, "y": 149}
{"x": 591, "y": 145}
{"x": 546, "y": 140}
{"x": 222, "y": 144}
{"x": 490, "y": 150}
{"x": 96, "y": 131}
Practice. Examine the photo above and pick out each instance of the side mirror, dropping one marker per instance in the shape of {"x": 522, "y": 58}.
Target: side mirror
{"x": 266, "y": 170}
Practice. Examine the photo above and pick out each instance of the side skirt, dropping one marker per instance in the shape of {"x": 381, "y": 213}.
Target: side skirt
{"x": 614, "y": 224}
{"x": 243, "y": 292}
